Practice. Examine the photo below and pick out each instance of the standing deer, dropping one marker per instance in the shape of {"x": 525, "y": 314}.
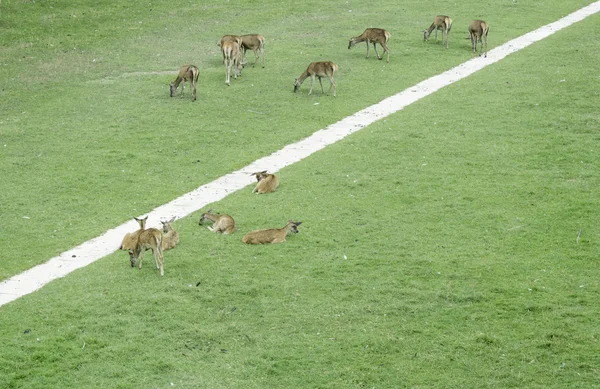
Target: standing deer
{"x": 267, "y": 183}
{"x": 186, "y": 73}
{"x": 255, "y": 43}
{"x": 170, "y": 237}
{"x": 273, "y": 235}
{"x": 442, "y": 23}
{"x": 221, "y": 223}
{"x": 373, "y": 35}
{"x": 232, "y": 58}
{"x": 148, "y": 239}
{"x": 478, "y": 30}
{"x": 320, "y": 70}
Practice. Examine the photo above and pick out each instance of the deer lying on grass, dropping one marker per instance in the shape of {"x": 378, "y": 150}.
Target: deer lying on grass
{"x": 170, "y": 237}
{"x": 319, "y": 70}
{"x": 274, "y": 235}
{"x": 267, "y": 183}
{"x": 148, "y": 239}
{"x": 373, "y": 35}
{"x": 186, "y": 73}
{"x": 255, "y": 43}
{"x": 221, "y": 223}
{"x": 478, "y": 29}
{"x": 232, "y": 58}
{"x": 442, "y": 23}
{"x": 130, "y": 238}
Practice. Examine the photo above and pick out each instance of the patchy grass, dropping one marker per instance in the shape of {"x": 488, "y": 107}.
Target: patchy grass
{"x": 439, "y": 247}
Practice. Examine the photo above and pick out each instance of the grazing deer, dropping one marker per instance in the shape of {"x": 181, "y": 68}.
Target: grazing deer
{"x": 148, "y": 239}
{"x": 231, "y": 58}
{"x": 255, "y": 43}
{"x": 478, "y": 29}
{"x": 319, "y": 70}
{"x": 170, "y": 237}
{"x": 267, "y": 183}
{"x": 186, "y": 73}
{"x": 221, "y": 223}
{"x": 130, "y": 238}
{"x": 442, "y": 23}
{"x": 373, "y": 35}
{"x": 274, "y": 235}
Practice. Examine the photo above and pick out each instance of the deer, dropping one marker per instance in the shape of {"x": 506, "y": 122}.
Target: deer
{"x": 170, "y": 237}
{"x": 478, "y": 30}
{"x": 230, "y": 38}
{"x": 273, "y": 235}
{"x": 232, "y": 57}
{"x": 186, "y": 73}
{"x": 373, "y": 35}
{"x": 148, "y": 239}
{"x": 267, "y": 183}
{"x": 318, "y": 70}
{"x": 221, "y": 223}
{"x": 130, "y": 238}
{"x": 255, "y": 43}
{"x": 442, "y": 23}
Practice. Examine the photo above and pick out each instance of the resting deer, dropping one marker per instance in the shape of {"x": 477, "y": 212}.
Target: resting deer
{"x": 274, "y": 235}
{"x": 267, "y": 183}
{"x": 442, "y": 23}
{"x": 319, "y": 70}
{"x": 130, "y": 238}
{"x": 255, "y": 43}
{"x": 373, "y": 35}
{"x": 148, "y": 239}
{"x": 478, "y": 30}
{"x": 186, "y": 73}
{"x": 170, "y": 237}
{"x": 221, "y": 223}
{"x": 232, "y": 58}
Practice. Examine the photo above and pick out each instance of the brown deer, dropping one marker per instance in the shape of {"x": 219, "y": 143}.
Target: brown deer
{"x": 186, "y": 73}
{"x": 319, "y": 70}
{"x": 373, "y": 35}
{"x": 442, "y": 23}
{"x": 255, "y": 43}
{"x": 232, "y": 58}
{"x": 170, "y": 237}
{"x": 148, "y": 239}
{"x": 274, "y": 235}
{"x": 130, "y": 238}
{"x": 267, "y": 183}
{"x": 478, "y": 30}
{"x": 221, "y": 223}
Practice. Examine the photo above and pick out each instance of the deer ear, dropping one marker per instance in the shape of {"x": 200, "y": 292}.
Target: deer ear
{"x": 209, "y": 211}
{"x": 298, "y": 223}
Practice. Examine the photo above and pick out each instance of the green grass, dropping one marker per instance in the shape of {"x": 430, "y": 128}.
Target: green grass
{"x": 439, "y": 246}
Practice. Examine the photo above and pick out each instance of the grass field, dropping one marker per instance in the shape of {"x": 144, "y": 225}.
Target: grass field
{"x": 451, "y": 245}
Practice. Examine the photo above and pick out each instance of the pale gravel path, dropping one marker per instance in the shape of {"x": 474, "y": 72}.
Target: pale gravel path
{"x": 90, "y": 251}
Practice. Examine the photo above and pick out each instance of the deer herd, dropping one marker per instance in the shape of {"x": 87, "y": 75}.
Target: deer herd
{"x": 233, "y": 48}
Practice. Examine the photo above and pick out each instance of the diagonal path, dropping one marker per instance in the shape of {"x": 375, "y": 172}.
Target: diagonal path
{"x": 92, "y": 250}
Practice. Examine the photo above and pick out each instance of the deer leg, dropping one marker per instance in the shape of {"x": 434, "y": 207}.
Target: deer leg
{"x": 227, "y": 72}
{"x": 386, "y": 50}
{"x": 312, "y": 80}
{"x": 485, "y": 40}
{"x": 377, "y": 52}
{"x": 141, "y": 258}
{"x": 193, "y": 92}
{"x": 321, "y": 82}
{"x": 368, "y": 48}
{"x": 447, "y": 32}
{"x": 332, "y": 81}
{"x": 262, "y": 54}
